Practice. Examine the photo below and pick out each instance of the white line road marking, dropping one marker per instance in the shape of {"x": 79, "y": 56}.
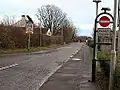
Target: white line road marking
{"x": 47, "y": 77}
{"x": 55, "y": 70}
{"x": 10, "y": 66}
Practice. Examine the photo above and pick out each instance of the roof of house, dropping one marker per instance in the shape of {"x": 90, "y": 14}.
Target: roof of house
{"x": 23, "y": 22}
{"x": 20, "y": 23}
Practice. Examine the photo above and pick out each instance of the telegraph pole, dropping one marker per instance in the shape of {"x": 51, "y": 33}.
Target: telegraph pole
{"x": 113, "y": 52}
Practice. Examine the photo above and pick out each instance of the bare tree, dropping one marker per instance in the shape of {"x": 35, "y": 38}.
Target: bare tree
{"x": 52, "y": 16}
{"x": 8, "y": 20}
{"x": 6, "y": 40}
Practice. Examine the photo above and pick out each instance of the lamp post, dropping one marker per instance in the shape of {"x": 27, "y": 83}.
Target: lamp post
{"x": 113, "y": 52}
{"x": 97, "y": 2}
{"x": 94, "y": 66}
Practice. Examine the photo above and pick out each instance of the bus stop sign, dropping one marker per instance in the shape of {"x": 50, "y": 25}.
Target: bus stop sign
{"x": 104, "y": 21}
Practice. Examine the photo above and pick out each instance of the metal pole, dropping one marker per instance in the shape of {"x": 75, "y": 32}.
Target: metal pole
{"x": 29, "y": 41}
{"x": 95, "y": 48}
{"x": 113, "y": 52}
{"x": 94, "y": 54}
{"x": 62, "y": 36}
{"x": 40, "y": 36}
{"x": 96, "y": 27}
{"x": 97, "y": 8}
{"x": 52, "y": 25}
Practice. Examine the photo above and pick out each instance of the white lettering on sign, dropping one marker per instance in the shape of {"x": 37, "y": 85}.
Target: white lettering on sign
{"x": 104, "y": 34}
{"x": 102, "y": 21}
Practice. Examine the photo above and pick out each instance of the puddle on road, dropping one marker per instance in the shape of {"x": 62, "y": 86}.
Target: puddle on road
{"x": 67, "y": 74}
{"x": 76, "y": 59}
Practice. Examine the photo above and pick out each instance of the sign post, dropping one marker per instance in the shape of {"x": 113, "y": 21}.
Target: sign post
{"x": 104, "y": 21}
{"x": 29, "y": 31}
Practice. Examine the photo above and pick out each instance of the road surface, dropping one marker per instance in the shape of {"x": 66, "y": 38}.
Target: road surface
{"x": 28, "y": 72}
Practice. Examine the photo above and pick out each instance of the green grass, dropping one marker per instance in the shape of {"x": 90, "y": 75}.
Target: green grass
{"x": 32, "y": 49}
{"x": 101, "y": 54}
{"x": 107, "y": 55}
{"x": 104, "y": 55}
{"x": 118, "y": 63}
{"x": 117, "y": 74}
{"x": 38, "y": 49}
{"x": 91, "y": 51}
{"x": 7, "y": 52}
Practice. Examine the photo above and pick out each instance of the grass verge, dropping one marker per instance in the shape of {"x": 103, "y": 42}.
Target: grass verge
{"x": 117, "y": 74}
{"x": 101, "y": 79}
{"x": 13, "y": 52}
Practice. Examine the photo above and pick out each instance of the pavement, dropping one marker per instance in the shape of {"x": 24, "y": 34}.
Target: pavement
{"x": 29, "y": 72}
{"x": 75, "y": 74}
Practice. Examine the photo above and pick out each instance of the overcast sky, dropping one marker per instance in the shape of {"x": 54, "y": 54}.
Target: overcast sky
{"x": 82, "y": 12}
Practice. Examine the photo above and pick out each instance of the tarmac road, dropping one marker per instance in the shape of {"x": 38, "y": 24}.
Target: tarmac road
{"x": 27, "y": 72}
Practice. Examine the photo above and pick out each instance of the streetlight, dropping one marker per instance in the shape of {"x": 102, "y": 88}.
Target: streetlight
{"x": 97, "y": 2}
{"x": 94, "y": 66}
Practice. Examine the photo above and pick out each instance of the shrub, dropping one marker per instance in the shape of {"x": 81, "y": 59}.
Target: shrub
{"x": 105, "y": 67}
{"x": 117, "y": 80}
{"x": 90, "y": 43}
{"x": 117, "y": 75}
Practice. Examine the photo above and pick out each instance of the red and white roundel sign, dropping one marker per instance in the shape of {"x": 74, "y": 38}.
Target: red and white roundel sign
{"x": 104, "y": 21}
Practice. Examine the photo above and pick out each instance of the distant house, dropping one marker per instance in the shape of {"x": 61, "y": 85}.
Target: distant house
{"x": 22, "y": 22}
{"x": 82, "y": 38}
